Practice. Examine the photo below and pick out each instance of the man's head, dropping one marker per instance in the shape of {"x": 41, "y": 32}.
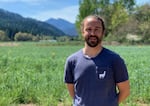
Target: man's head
{"x": 93, "y": 16}
{"x": 92, "y": 28}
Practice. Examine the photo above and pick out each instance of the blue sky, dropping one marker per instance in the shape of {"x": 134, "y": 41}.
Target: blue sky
{"x": 45, "y": 9}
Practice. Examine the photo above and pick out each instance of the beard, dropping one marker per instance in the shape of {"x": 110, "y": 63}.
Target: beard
{"x": 93, "y": 41}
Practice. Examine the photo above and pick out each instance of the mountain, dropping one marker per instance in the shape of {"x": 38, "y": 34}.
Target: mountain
{"x": 67, "y": 27}
{"x": 12, "y": 23}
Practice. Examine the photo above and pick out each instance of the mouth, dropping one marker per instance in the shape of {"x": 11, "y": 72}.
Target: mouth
{"x": 92, "y": 41}
{"x": 93, "y": 38}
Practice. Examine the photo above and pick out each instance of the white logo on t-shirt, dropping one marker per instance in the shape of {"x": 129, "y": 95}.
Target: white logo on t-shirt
{"x": 101, "y": 76}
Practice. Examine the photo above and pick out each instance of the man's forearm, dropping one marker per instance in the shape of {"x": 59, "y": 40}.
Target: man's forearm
{"x": 124, "y": 90}
{"x": 70, "y": 88}
{"x": 122, "y": 96}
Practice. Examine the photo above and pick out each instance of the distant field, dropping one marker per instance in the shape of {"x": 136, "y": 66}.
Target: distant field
{"x": 32, "y": 73}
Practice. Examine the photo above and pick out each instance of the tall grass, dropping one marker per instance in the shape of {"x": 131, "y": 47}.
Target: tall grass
{"x": 138, "y": 62}
{"x": 33, "y": 73}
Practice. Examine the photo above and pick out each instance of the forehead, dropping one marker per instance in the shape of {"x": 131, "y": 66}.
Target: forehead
{"x": 92, "y": 22}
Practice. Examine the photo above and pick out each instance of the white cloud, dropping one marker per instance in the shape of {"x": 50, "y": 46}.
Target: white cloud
{"x": 68, "y": 13}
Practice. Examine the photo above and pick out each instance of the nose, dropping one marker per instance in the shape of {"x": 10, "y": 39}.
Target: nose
{"x": 92, "y": 32}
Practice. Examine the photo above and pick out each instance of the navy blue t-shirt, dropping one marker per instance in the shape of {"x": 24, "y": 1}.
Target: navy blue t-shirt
{"x": 95, "y": 78}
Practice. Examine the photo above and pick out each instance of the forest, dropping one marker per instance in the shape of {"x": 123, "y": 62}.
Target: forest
{"x": 15, "y": 27}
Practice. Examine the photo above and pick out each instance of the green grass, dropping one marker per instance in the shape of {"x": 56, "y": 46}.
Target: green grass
{"x": 33, "y": 73}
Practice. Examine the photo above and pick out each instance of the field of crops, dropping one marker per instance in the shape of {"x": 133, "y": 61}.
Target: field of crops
{"x": 32, "y": 73}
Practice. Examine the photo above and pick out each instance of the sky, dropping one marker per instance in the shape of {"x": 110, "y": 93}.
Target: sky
{"x": 44, "y": 9}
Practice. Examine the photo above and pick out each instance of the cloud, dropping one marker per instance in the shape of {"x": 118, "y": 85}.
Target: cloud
{"x": 67, "y": 13}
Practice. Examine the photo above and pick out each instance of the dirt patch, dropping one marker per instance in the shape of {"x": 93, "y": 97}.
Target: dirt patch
{"x": 114, "y": 43}
{"x": 142, "y": 104}
{"x": 9, "y": 44}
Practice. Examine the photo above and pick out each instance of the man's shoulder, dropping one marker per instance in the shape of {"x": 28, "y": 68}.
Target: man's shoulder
{"x": 75, "y": 55}
{"x": 112, "y": 54}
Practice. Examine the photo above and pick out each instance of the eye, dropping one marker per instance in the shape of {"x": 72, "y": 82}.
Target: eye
{"x": 88, "y": 29}
{"x": 98, "y": 29}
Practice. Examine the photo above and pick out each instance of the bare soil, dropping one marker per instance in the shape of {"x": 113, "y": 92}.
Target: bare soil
{"x": 9, "y": 44}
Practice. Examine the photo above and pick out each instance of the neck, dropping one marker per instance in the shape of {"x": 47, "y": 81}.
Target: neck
{"x": 92, "y": 51}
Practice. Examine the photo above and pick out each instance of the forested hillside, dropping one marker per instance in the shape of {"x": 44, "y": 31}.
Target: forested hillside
{"x": 11, "y": 23}
{"x": 65, "y": 26}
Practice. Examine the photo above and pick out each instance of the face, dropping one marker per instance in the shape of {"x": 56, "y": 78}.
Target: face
{"x": 92, "y": 32}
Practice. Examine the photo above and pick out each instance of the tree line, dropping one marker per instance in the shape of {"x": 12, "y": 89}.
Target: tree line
{"x": 124, "y": 20}
{"x": 12, "y": 24}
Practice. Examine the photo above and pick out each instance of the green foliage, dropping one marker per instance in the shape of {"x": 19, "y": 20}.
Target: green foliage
{"x": 86, "y": 8}
{"x": 33, "y": 73}
{"x": 119, "y": 16}
{"x": 142, "y": 15}
{"x": 3, "y": 36}
{"x": 122, "y": 18}
{"x": 109, "y": 10}
{"x": 138, "y": 24}
{"x": 36, "y": 76}
{"x": 23, "y": 37}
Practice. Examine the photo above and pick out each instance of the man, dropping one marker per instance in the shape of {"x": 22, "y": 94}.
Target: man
{"x": 93, "y": 73}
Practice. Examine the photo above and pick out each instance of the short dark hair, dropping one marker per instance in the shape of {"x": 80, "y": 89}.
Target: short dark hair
{"x": 93, "y": 16}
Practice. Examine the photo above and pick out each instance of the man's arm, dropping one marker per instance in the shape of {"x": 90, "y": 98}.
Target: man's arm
{"x": 124, "y": 90}
{"x": 70, "y": 88}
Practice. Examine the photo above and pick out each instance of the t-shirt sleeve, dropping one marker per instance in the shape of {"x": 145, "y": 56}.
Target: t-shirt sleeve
{"x": 68, "y": 72}
{"x": 120, "y": 70}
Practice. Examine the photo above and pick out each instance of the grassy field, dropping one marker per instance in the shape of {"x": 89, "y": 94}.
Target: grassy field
{"x": 32, "y": 73}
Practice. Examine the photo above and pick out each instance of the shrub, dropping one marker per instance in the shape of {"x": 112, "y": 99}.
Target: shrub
{"x": 3, "y": 36}
{"x": 23, "y": 37}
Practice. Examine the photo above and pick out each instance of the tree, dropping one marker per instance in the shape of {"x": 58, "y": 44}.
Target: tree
{"x": 86, "y": 7}
{"x": 142, "y": 16}
{"x": 114, "y": 12}
{"x": 23, "y": 36}
{"x": 119, "y": 16}
{"x": 3, "y": 36}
